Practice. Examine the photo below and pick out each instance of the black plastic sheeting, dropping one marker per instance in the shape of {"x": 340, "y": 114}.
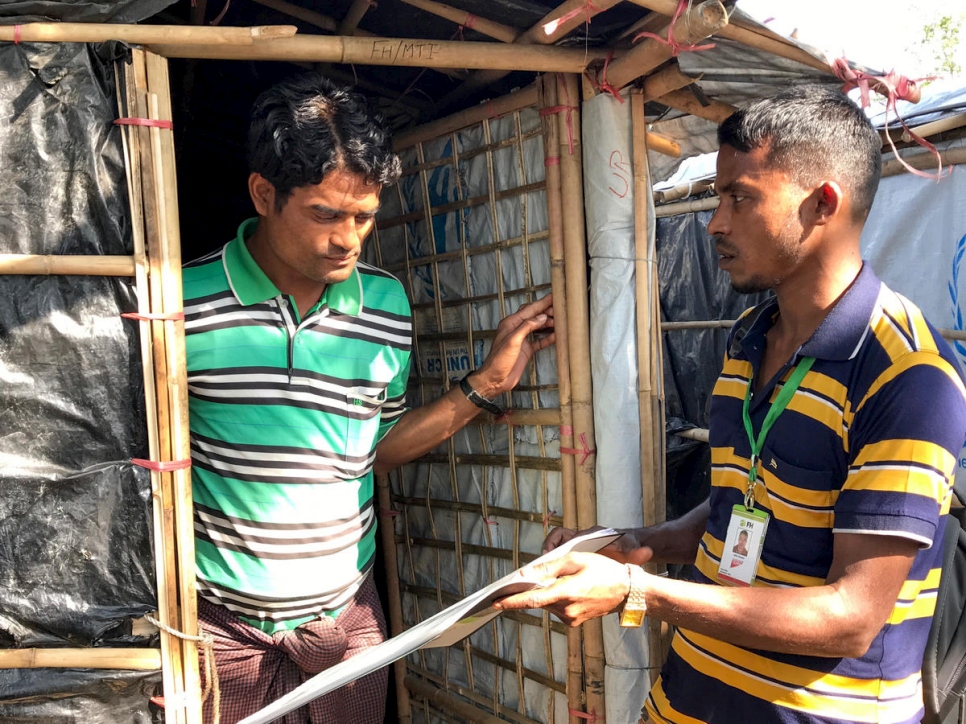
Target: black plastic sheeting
{"x": 75, "y": 513}
{"x": 692, "y": 288}
{"x": 109, "y": 11}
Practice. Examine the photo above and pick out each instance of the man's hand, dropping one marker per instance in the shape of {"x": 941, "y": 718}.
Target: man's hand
{"x": 626, "y": 549}
{"x": 513, "y": 347}
{"x": 581, "y": 586}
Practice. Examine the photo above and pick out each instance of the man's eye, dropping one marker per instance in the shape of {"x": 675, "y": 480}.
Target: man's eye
{"x": 738, "y": 197}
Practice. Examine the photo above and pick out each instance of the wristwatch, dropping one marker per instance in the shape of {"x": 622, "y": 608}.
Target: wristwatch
{"x": 632, "y": 614}
{"x": 477, "y": 399}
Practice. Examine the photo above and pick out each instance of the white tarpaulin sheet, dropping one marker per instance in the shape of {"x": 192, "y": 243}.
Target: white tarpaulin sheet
{"x": 609, "y": 203}
{"x": 915, "y": 239}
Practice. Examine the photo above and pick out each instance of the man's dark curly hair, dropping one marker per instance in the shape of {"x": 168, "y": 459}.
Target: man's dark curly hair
{"x": 306, "y": 126}
{"x": 813, "y": 133}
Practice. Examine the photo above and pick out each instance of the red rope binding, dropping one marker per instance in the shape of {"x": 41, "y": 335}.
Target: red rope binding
{"x": 602, "y": 85}
{"x": 591, "y": 717}
{"x": 388, "y": 513}
{"x": 894, "y": 87}
{"x": 17, "y": 34}
{"x": 570, "y": 127}
{"x": 153, "y": 122}
{"x": 150, "y": 317}
{"x": 676, "y": 47}
{"x": 585, "y": 453}
{"x": 162, "y": 467}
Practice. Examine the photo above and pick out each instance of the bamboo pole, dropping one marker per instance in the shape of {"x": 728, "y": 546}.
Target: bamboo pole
{"x": 169, "y": 258}
{"x": 693, "y": 26}
{"x": 446, "y": 701}
{"x": 664, "y": 81}
{"x": 87, "y": 658}
{"x": 354, "y": 16}
{"x": 752, "y": 37}
{"x": 649, "y": 361}
{"x": 111, "y": 266}
{"x": 661, "y": 144}
{"x": 146, "y": 34}
{"x": 568, "y": 480}
{"x": 301, "y": 13}
{"x": 399, "y": 52}
{"x": 396, "y": 620}
{"x": 697, "y": 433}
{"x": 515, "y": 101}
{"x": 563, "y": 19}
{"x": 685, "y": 207}
{"x": 683, "y": 191}
{"x": 575, "y": 250}
{"x": 495, "y": 30}
{"x": 950, "y": 157}
{"x": 685, "y": 100}
{"x": 155, "y": 381}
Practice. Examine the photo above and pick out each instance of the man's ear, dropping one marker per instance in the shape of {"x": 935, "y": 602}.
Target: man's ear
{"x": 262, "y": 192}
{"x": 828, "y": 200}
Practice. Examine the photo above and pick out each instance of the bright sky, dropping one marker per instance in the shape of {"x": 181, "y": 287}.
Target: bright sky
{"x": 881, "y": 35}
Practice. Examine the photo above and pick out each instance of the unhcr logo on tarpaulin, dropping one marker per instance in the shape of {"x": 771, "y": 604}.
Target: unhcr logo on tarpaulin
{"x": 957, "y": 309}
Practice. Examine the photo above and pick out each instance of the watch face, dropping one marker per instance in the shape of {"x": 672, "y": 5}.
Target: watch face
{"x": 632, "y": 618}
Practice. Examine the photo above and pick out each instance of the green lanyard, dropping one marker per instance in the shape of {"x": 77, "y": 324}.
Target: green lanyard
{"x": 777, "y": 408}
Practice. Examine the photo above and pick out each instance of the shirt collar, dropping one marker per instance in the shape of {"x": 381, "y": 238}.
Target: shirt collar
{"x": 840, "y": 334}
{"x": 252, "y": 286}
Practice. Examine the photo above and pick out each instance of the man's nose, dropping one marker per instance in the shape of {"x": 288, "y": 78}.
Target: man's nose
{"x": 346, "y": 234}
{"x": 719, "y": 222}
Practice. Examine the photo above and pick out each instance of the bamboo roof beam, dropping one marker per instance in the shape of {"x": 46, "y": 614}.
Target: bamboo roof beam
{"x": 664, "y": 81}
{"x": 405, "y": 52}
{"x": 354, "y": 16}
{"x": 490, "y": 28}
{"x": 684, "y": 100}
{"x": 560, "y": 21}
{"x": 81, "y": 658}
{"x": 221, "y": 36}
{"x": 692, "y": 27}
{"x": 751, "y": 37}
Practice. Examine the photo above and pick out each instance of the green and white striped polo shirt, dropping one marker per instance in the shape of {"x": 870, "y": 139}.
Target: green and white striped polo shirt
{"x": 285, "y": 417}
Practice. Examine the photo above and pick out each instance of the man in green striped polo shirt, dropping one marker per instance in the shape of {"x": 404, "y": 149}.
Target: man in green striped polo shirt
{"x": 298, "y": 359}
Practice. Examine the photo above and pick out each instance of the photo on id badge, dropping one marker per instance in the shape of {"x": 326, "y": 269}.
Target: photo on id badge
{"x": 742, "y": 546}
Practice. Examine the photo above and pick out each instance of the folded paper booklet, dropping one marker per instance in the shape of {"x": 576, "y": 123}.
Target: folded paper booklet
{"x": 445, "y": 628}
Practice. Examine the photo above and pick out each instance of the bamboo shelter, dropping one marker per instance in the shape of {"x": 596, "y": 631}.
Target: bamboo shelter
{"x": 506, "y": 126}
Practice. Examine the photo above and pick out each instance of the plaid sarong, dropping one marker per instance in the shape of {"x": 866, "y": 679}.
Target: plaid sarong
{"x": 256, "y": 668}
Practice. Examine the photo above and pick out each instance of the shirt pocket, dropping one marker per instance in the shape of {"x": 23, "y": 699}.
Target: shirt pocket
{"x": 363, "y": 408}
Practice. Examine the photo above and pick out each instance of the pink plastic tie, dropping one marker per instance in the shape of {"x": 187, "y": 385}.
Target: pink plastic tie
{"x": 895, "y": 87}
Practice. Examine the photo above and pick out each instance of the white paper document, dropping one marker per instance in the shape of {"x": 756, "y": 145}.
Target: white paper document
{"x": 445, "y": 628}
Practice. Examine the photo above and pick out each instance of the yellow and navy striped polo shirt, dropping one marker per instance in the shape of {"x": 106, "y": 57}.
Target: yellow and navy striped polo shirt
{"x": 285, "y": 414}
{"x": 868, "y": 444}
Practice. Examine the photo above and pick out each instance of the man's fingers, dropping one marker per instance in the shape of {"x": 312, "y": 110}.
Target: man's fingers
{"x": 537, "y": 598}
{"x": 557, "y": 537}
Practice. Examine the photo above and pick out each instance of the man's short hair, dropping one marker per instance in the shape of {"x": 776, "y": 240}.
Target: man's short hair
{"x": 814, "y": 133}
{"x": 306, "y": 126}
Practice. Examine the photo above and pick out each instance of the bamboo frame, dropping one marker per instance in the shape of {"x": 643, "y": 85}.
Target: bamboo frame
{"x": 441, "y": 320}
{"x": 224, "y": 36}
{"x": 555, "y": 222}
{"x": 172, "y": 654}
{"x": 354, "y": 16}
{"x": 649, "y": 363}
{"x": 491, "y": 28}
{"x": 694, "y": 25}
{"x": 86, "y": 658}
{"x": 664, "y": 81}
{"x": 399, "y": 52}
{"x": 575, "y": 250}
{"x": 41, "y": 264}
{"x": 684, "y": 100}
{"x": 752, "y": 37}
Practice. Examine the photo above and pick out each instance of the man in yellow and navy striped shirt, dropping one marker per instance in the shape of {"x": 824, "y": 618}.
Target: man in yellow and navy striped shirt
{"x": 852, "y": 474}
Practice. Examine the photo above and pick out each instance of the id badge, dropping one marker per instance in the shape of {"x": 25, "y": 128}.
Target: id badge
{"x": 742, "y": 547}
